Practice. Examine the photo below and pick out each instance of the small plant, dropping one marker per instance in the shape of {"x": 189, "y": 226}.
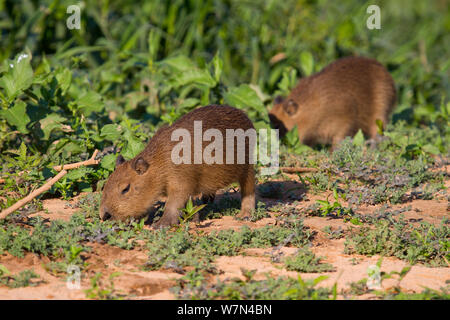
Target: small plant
{"x": 189, "y": 211}
{"x": 22, "y": 279}
{"x": 327, "y": 208}
{"x": 260, "y": 212}
{"x": 333, "y": 234}
{"x": 99, "y": 291}
{"x": 306, "y": 261}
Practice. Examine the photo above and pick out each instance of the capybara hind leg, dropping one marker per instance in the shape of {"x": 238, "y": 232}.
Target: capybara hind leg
{"x": 247, "y": 194}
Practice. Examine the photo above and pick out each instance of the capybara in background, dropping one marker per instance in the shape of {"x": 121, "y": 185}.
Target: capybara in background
{"x": 347, "y": 95}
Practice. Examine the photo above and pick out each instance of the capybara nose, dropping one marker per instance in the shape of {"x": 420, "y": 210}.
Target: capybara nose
{"x": 105, "y": 215}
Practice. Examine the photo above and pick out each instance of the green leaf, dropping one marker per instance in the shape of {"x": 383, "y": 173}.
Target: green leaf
{"x": 64, "y": 78}
{"x": 358, "y": 139}
{"x": 319, "y": 279}
{"x": 51, "y": 122}
{"x": 307, "y": 62}
{"x": 243, "y": 97}
{"x": 111, "y": 132}
{"x": 133, "y": 147}
{"x": 109, "y": 162}
{"x": 429, "y": 148}
{"x": 4, "y": 271}
{"x": 19, "y": 76}
{"x": 379, "y": 126}
{"x": 90, "y": 102}
{"x": 218, "y": 67}
{"x": 17, "y": 116}
{"x": 23, "y": 152}
{"x": 195, "y": 76}
{"x": 78, "y": 173}
{"x": 180, "y": 63}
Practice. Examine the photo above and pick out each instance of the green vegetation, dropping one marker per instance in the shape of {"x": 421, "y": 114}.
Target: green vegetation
{"x": 192, "y": 287}
{"x": 306, "y": 261}
{"x": 133, "y": 67}
{"x": 426, "y": 243}
{"x": 22, "y": 279}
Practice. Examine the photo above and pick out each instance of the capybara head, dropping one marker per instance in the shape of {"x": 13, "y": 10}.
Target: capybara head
{"x": 281, "y": 115}
{"x": 123, "y": 192}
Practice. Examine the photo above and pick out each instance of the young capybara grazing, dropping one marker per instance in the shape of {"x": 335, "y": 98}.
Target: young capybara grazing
{"x": 135, "y": 185}
{"x": 347, "y": 95}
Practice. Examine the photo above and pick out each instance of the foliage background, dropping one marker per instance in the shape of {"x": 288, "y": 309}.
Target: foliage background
{"x": 135, "y": 65}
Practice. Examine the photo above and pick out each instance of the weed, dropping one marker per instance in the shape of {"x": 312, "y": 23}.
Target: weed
{"x": 281, "y": 288}
{"x": 22, "y": 279}
{"x": 101, "y": 291}
{"x": 260, "y": 212}
{"x": 306, "y": 261}
{"x": 426, "y": 244}
{"x": 333, "y": 234}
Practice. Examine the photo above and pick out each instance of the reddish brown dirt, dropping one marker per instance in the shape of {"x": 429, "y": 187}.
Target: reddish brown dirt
{"x": 134, "y": 283}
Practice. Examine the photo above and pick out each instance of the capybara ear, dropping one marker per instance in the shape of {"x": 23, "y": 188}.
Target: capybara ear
{"x": 290, "y": 107}
{"x": 278, "y": 100}
{"x": 140, "y": 166}
{"x": 119, "y": 160}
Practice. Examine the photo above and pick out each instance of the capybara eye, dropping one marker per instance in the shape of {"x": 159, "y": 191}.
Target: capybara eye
{"x": 126, "y": 189}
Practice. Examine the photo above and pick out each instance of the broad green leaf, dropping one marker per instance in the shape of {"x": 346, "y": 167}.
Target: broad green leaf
{"x": 51, "y": 122}
{"x": 133, "y": 147}
{"x": 180, "y": 63}
{"x": 64, "y": 78}
{"x": 109, "y": 162}
{"x": 195, "y": 76}
{"x": 17, "y": 116}
{"x": 243, "y": 97}
{"x": 189, "y": 103}
{"x": 19, "y": 76}
{"x": 90, "y": 102}
{"x": 78, "y": 173}
{"x": 111, "y": 132}
{"x": 429, "y": 148}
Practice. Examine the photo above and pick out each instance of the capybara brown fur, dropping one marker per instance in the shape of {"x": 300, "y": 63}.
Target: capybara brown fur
{"x": 347, "y": 95}
{"x": 135, "y": 185}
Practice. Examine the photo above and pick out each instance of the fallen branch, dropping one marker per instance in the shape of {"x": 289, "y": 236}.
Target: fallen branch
{"x": 32, "y": 195}
{"x": 63, "y": 170}
{"x": 297, "y": 169}
{"x": 88, "y": 162}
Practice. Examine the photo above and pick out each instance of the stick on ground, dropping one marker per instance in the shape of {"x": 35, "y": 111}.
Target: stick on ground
{"x": 63, "y": 170}
{"x": 297, "y": 169}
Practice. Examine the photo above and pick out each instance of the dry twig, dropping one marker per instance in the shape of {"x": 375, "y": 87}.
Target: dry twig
{"x": 297, "y": 169}
{"x": 63, "y": 170}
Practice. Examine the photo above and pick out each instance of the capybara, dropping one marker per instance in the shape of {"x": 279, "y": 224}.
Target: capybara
{"x": 347, "y": 95}
{"x": 135, "y": 185}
